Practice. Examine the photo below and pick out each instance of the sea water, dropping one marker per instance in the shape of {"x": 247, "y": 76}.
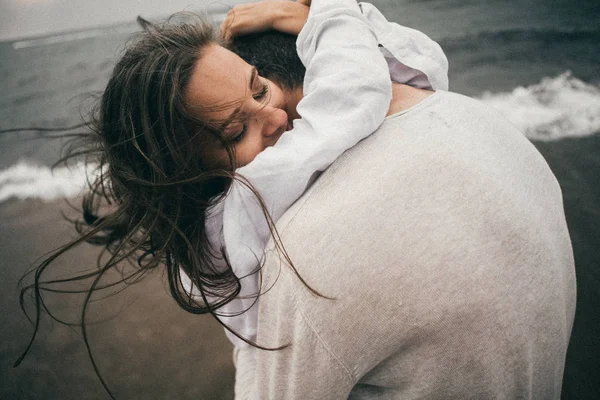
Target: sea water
{"x": 536, "y": 61}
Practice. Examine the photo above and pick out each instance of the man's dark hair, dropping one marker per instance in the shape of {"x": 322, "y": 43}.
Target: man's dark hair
{"x": 274, "y": 56}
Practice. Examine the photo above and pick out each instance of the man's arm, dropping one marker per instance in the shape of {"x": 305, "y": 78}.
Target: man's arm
{"x": 307, "y": 369}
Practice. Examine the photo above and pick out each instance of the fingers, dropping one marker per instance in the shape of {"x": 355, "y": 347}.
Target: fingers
{"x": 230, "y": 25}
{"x": 304, "y": 2}
{"x": 226, "y": 26}
{"x": 249, "y": 18}
{"x": 234, "y": 23}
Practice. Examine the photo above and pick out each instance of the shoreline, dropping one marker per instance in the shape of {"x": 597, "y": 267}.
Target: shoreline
{"x": 144, "y": 344}
{"x": 152, "y": 348}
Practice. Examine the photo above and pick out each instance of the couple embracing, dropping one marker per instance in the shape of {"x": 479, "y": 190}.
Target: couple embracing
{"x": 359, "y": 230}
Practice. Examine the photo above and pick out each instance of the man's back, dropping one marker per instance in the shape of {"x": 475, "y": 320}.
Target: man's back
{"x": 442, "y": 240}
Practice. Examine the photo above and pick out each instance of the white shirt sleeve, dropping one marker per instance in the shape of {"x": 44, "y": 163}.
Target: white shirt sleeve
{"x": 347, "y": 92}
{"x": 413, "y": 58}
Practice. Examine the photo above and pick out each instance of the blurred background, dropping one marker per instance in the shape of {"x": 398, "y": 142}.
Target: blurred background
{"x": 537, "y": 61}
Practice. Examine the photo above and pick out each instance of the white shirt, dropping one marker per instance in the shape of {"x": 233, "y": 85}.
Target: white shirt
{"x": 350, "y": 53}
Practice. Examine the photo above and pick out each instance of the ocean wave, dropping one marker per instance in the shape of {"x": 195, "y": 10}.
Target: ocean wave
{"x": 557, "y": 107}
{"x": 29, "y": 181}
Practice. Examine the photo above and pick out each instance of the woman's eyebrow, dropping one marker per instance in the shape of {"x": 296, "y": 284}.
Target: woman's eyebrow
{"x": 253, "y": 75}
{"x": 236, "y": 112}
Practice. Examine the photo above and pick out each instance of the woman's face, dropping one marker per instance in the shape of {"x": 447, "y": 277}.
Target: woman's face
{"x": 228, "y": 93}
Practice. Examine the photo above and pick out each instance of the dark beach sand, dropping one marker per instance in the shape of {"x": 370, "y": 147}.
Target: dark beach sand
{"x": 576, "y": 164}
{"x": 153, "y": 350}
{"x": 150, "y": 349}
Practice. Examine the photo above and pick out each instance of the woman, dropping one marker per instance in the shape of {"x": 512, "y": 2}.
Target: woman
{"x": 411, "y": 57}
{"x": 173, "y": 127}
{"x": 166, "y": 141}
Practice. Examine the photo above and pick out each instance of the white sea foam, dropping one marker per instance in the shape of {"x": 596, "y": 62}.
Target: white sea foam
{"x": 27, "y": 181}
{"x": 558, "y": 107}
{"x": 555, "y": 108}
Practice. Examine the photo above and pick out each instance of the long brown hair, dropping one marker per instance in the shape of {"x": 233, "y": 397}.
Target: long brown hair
{"x": 148, "y": 202}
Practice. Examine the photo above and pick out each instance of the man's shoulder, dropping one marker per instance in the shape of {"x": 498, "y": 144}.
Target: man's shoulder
{"x": 367, "y": 175}
{"x": 416, "y": 236}
{"x": 445, "y": 148}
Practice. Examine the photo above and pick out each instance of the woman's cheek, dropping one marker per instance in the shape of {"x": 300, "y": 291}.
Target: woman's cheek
{"x": 245, "y": 154}
{"x": 248, "y": 150}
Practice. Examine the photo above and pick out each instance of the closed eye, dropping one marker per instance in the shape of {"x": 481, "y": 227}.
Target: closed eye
{"x": 262, "y": 93}
{"x": 240, "y": 136}
{"x": 258, "y": 96}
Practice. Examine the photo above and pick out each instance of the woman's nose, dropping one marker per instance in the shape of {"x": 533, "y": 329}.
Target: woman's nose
{"x": 275, "y": 122}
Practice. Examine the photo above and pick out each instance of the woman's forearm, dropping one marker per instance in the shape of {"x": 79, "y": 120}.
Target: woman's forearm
{"x": 291, "y": 18}
{"x": 284, "y": 16}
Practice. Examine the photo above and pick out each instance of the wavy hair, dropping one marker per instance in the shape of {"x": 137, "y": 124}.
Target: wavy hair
{"x": 148, "y": 202}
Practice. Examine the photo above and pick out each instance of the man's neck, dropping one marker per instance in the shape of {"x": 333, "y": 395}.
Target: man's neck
{"x": 405, "y": 97}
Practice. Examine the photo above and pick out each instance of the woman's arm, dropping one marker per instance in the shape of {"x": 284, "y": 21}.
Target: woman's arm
{"x": 347, "y": 94}
{"x": 283, "y": 16}
{"x": 413, "y": 58}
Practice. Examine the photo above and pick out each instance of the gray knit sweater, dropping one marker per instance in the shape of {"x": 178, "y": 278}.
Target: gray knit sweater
{"x": 442, "y": 239}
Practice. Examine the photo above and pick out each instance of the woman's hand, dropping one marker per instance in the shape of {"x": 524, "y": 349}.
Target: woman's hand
{"x": 284, "y": 16}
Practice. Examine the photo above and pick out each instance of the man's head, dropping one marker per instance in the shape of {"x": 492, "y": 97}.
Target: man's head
{"x": 274, "y": 56}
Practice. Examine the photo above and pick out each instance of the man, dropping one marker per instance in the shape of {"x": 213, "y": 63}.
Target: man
{"x": 441, "y": 246}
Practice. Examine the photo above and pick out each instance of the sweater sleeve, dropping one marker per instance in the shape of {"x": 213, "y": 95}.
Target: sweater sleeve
{"x": 413, "y": 58}
{"x": 306, "y": 369}
{"x": 347, "y": 92}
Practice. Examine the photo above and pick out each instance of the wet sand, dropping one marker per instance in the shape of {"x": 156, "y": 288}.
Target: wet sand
{"x": 576, "y": 164}
{"x": 146, "y": 348}
{"x": 153, "y": 350}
